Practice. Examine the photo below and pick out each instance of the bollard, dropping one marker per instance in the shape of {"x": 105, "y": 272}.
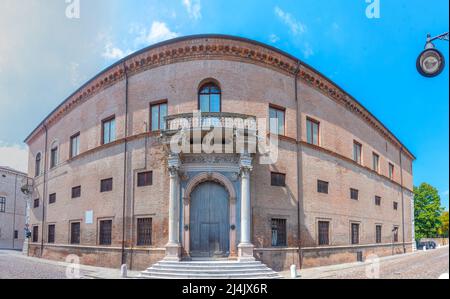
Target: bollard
{"x": 424, "y": 248}
{"x": 293, "y": 271}
{"x": 123, "y": 271}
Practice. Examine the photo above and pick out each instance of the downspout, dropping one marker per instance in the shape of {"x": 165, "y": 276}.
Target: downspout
{"x": 14, "y": 213}
{"x": 134, "y": 192}
{"x": 125, "y": 166}
{"x": 403, "y": 200}
{"x": 299, "y": 180}
{"x": 44, "y": 192}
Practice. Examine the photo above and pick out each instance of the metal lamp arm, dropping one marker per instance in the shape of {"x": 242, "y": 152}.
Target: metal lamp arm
{"x": 443, "y": 36}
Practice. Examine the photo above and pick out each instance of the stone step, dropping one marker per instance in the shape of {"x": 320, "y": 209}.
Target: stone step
{"x": 210, "y": 270}
{"x": 175, "y": 275}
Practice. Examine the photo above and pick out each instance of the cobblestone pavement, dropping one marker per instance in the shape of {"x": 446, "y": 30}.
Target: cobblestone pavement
{"x": 14, "y": 265}
{"x": 421, "y": 265}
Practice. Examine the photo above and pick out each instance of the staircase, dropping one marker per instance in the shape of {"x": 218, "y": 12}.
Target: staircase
{"x": 209, "y": 270}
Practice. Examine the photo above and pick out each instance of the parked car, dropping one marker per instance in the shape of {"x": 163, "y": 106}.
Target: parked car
{"x": 427, "y": 244}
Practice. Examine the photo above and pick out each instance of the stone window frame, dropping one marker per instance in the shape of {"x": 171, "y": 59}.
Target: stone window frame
{"x": 48, "y": 233}
{"x": 396, "y": 234}
{"x": 74, "y": 196}
{"x": 36, "y": 203}
{"x": 319, "y": 132}
{"x": 158, "y": 103}
{"x": 205, "y": 83}
{"x": 321, "y": 191}
{"x": 357, "y": 144}
{"x": 360, "y": 232}
{"x": 54, "y": 160}
{"x": 52, "y": 198}
{"x": 391, "y": 171}
{"x": 72, "y": 138}
{"x": 35, "y": 233}
{"x": 376, "y": 233}
{"x": 278, "y": 108}
{"x": 136, "y": 221}
{"x": 376, "y": 167}
{"x": 274, "y": 182}
{"x": 99, "y": 220}
{"x": 330, "y": 231}
{"x": 354, "y": 194}
{"x": 146, "y": 174}
{"x": 108, "y": 120}
{"x": 280, "y": 218}
{"x": 378, "y": 200}
{"x": 2, "y": 204}
{"x": 38, "y": 167}
{"x": 80, "y": 221}
{"x": 105, "y": 186}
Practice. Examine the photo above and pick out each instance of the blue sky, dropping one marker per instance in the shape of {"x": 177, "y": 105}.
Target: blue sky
{"x": 45, "y": 56}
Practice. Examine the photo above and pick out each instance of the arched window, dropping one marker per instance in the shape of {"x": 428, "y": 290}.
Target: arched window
{"x": 209, "y": 98}
{"x": 37, "y": 169}
{"x": 54, "y": 155}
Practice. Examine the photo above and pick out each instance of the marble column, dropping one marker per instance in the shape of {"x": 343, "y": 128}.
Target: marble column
{"x": 173, "y": 248}
{"x": 245, "y": 247}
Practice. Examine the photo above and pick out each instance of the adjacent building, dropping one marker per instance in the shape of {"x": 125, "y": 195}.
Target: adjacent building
{"x": 109, "y": 186}
{"x": 13, "y": 208}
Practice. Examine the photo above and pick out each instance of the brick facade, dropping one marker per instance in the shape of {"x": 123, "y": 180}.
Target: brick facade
{"x": 251, "y": 77}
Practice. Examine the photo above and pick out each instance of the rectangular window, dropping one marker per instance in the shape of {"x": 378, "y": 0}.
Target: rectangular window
{"x": 75, "y": 232}
{"x": 35, "y": 234}
{"x": 106, "y": 185}
{"x": 36, "y": 203}
{"x": 16, "y": 234}
{"x": 158, "y": 113}
{"x": 145, "y": 179}
{"x": 322, "y": 187}
{"x": 376, "y": 162}
{"x": 395, "y": 232}
{"x": 395, "y": 205}
{"x": 51, "y": 233}
{"x": 377, "y": 200}
{"x": 355, "y": 233}
{"x": 54, "y": 157}
{"x": 278, "y": 179}
{"x": 105, "y": 230}
{"x": 279, "y": 232}
{"x": 277, "y": 118}
{"x": 324, "y": 233}
{"x": 391, "y": 171}
{"x": 75, "y": 145}
{"x": 354, "y": 194}
{"x": 76, "y": 192}
{"x": 2, "y": 205}
{"x": 357, "y": 151}
{"x": 52, "y": 198}
{"x": 378, "y": 234}
{"x": 312, "y": 131}
{"x": 109, "y": 130}
{"x": 144, "y": 231}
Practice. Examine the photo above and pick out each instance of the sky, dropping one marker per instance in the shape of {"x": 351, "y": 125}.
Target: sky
{"x": 49, "y": 50}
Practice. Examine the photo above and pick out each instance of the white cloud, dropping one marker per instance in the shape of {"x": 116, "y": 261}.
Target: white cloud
{"x": 307, "y": 50}
{"x": 294, "y": 25}
{"x": 274, "y": 38}
{"x": 193, "y": 8}
{"x": 113, "y": 53}
{"x": 14, "y": 156}
{"x": 159, "y": 31}
{"x": 445, "y": 193}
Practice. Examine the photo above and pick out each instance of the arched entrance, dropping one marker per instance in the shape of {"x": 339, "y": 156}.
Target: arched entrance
{"x": 198, "y": 192}
{"x": 209, "y": 221}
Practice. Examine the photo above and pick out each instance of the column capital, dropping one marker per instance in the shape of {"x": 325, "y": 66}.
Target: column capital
{"x": 174, "y": 164}
{"x": 245, "y": 163}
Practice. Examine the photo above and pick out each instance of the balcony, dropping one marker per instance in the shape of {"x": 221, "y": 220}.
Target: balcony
{"x": 207, "y": 121}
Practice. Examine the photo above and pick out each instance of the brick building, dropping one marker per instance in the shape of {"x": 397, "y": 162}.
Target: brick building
{"x": 110, "y": 188}
{"x": 13, "y": 208}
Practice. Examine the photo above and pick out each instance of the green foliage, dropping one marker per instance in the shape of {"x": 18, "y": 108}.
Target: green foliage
{"x": 443, "y": 230}
{"x": 428, "y": 211}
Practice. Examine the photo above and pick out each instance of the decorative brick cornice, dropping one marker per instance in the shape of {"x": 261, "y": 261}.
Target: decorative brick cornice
{"x": 211, "y": 47}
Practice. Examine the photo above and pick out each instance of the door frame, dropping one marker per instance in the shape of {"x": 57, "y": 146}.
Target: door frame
{"x": 226, "y": 183}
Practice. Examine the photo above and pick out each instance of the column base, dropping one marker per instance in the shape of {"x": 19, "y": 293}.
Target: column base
{"x": 173, "y": 252}
{"x": 245, "y": 253}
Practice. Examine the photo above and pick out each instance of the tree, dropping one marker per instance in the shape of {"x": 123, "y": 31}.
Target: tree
{"x": 427, "y": 211}
{"x": 443, "y": 230}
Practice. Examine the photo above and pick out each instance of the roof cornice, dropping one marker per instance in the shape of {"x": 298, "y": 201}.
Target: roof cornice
{"x": 215, "y": 46}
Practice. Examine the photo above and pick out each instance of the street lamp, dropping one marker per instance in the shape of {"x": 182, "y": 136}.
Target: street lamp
{"x": 431, "y": 62}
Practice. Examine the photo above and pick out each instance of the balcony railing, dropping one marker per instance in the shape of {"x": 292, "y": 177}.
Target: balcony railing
{"x": 208, "y": 120}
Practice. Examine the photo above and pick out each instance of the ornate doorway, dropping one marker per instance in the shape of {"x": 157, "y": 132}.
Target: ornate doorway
{"x": 209, "y": 221}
